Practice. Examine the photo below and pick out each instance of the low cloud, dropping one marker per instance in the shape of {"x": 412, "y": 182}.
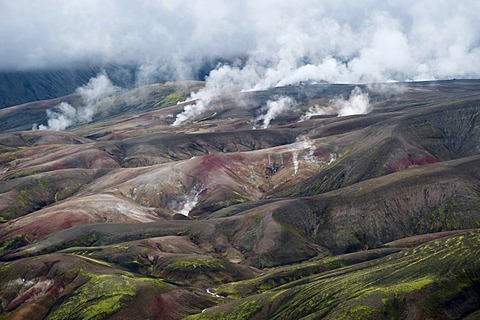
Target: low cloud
{"x": 267, "y": 44}
{"x": 335, "y": 41}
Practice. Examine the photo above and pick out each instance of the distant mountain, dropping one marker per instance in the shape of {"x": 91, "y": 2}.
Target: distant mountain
{"x": 18, "y": 87}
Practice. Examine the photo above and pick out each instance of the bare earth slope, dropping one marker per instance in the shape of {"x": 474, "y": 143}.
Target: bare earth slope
{"x": 370, "y": 216}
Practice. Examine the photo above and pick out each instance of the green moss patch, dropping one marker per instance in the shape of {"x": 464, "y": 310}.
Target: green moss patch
{"x": 438, "y": 273}
{"x": 172, "y": 98}
{"x": 198, "y": 264}
{"x": 101, "y": 296}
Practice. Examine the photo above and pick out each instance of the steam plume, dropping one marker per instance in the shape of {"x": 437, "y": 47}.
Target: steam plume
{"x": 224, "y": 80}
{"x": 98, "y": 91}
{"x": 335, "y": 41}
{"x": 357, "y": 103}
{"x": 190, "y": 203}
{"x": 303, "y": 143}
{"x": 57, "y": 121}
{"x": 276, "y": 44}
{"x": 274, "y": 109}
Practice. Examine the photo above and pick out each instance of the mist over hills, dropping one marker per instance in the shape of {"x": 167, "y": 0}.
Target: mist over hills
{"x": 340, "y": 41}
{"x": 19, "y": 87}
{"x": 239, "y": 160}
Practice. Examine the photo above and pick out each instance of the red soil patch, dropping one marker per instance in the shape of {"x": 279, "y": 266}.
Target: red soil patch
{"x": 51, "y": 223}
{"x": 410, "y": 162}
{"x": 211, "y": 162}
{"x": 102, "y": 161}
{"x": 39, "y": 289}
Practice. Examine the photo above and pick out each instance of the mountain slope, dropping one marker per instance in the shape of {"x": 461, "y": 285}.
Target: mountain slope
{"x": 305, "y": 218}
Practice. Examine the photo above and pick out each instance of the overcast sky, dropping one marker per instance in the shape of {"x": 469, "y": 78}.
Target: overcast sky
{"x": 284, "y": 41}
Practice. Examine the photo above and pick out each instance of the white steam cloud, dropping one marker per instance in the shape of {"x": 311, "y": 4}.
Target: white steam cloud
{"x": 349, "y": 42}
{"x": 58, "y": 121}
{"x": 303, "y": 143}
{"x": 276, "y": 44}
{"x": 190, "y": 203}
{"x": 98, "y": 91}
{"x": 337, "y": 41}
{"x": 357, "y": 103}
{"x": 387, "y": 90}
{"x": 274, "y": 109}
{"x": 223, "y": 80}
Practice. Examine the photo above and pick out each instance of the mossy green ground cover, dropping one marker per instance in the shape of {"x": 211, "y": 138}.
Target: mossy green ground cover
{"x": 172, "y": 98}
{"x": 101, "y": 296}
{"x": 440, "y": 270}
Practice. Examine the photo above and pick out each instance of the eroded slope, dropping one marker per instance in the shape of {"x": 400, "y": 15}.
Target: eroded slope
{"x": 164, "y": 213}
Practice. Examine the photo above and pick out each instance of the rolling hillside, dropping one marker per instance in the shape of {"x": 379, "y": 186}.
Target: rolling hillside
{"x": 231, "y": 216}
